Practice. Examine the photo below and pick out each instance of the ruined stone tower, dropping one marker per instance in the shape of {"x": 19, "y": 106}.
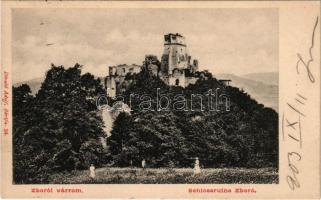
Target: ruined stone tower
{"x": 176, "y": 62}
{"x": 175, "y": 55}
{"x": 176, "y": 67}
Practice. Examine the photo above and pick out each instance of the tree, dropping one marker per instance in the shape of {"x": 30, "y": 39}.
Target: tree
{"x": 62, "y": 122}
{"x": 119, "y": 137}
{"x": 243, "y": 136}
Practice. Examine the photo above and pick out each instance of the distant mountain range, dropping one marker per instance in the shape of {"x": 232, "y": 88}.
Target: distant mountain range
{"x": 271, "y": 78}
{"x": 261, "y": 86}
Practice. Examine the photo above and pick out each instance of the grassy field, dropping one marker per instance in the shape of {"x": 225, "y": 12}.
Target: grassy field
{"x": 166, "y": 176}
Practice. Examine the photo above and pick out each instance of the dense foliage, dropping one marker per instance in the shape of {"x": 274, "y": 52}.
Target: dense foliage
{"x": 59, "y": 128}
{"x": 245, "y": 135}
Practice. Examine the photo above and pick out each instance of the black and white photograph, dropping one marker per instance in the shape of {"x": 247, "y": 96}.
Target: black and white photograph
{"x": 145, "y": 96}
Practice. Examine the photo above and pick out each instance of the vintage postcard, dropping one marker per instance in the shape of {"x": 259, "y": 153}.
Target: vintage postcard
{"x": 160, "y": 99}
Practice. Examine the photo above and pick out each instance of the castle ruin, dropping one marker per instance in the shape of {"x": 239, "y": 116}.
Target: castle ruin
{"x": 176, "y": 67}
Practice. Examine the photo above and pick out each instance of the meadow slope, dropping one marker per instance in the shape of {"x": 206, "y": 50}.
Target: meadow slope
{"x": 168, "y": 176}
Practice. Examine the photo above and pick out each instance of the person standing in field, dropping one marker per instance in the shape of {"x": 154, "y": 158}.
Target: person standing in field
{"x": 197, "y": 169}
{"x": 92, "y": 171}
{"x": 143, "y": 163}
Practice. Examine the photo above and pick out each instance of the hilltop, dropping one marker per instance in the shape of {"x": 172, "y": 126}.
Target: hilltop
{"x": 243, "y": 134}
{"x": 261, "y": 86}
{"x": 60, "y": 128}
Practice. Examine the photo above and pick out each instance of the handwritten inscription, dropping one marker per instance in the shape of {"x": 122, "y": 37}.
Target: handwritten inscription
{"x": 292, "y": 179}
{"x": 306, "y": 64}
{"x": 292, "y": 120}
{"x": 292, "y": 133}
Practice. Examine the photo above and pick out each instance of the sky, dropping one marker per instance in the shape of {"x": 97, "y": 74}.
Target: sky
{"x": 238, "y": 41}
